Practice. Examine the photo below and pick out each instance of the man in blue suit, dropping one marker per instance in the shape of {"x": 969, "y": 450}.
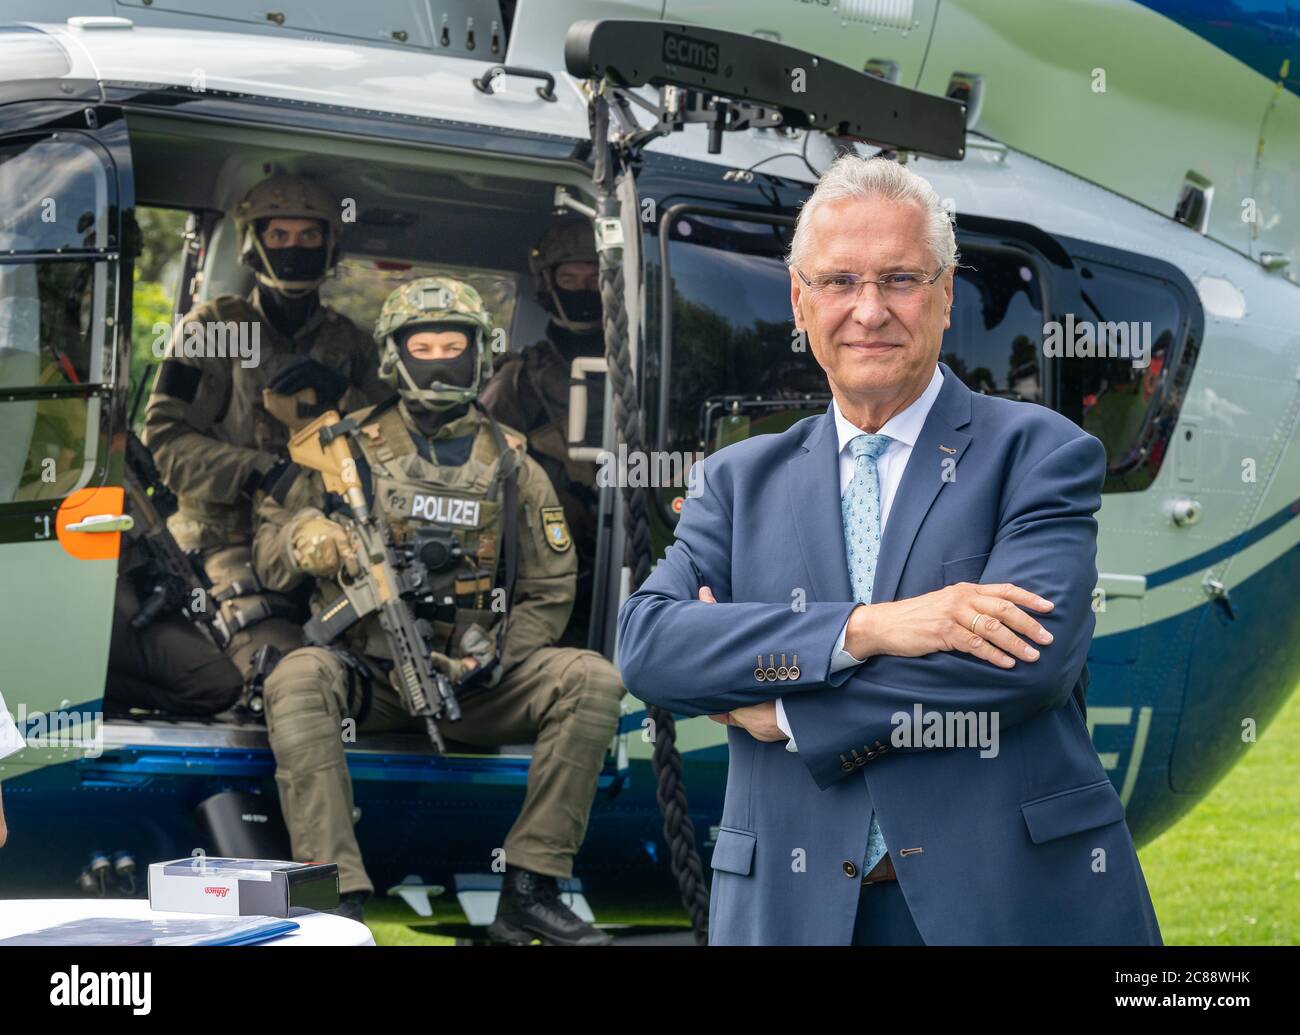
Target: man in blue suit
{"x": 916, "y": 768}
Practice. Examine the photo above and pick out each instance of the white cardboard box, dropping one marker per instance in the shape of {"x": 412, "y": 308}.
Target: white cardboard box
{"x": 243, "y": 887}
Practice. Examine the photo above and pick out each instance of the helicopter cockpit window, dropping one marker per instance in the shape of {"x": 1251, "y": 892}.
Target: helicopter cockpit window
{"x": 996, "y": 335}
{"x": 361, "y": 284}
{"x": 736, "y": 365}
{"x": 1126, "y": 398}
{"x": 56, "y": 196}
{"x": 55, "y": 281}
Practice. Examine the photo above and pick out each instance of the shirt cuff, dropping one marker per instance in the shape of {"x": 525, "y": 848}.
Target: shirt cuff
{"x": 783, "y": 725}
{"x": 842, "y": 659}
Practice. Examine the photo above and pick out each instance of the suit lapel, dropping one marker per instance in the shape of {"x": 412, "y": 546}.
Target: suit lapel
{"x": 922, "y": 480}
{"x": 813, "y": 482}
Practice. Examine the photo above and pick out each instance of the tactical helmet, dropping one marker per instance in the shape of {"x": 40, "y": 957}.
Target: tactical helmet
{"x": 567, "y": 240}
{"x": 288, "y": 197}
{"x": 425, "y": 301}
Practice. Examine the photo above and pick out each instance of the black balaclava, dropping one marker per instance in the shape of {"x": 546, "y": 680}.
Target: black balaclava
{"x": 459, "y": 370}
{"x": 572, "y": 344}
{"x": 579, "y": 305}
{"x": 289, "y": 314}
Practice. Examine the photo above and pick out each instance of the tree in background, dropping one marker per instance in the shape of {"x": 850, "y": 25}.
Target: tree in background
{"x": 162, "y": 237}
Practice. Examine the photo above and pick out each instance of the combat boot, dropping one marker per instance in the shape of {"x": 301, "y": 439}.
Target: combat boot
{"x": 530, "y": 907}
{"x": 352, "y": 906}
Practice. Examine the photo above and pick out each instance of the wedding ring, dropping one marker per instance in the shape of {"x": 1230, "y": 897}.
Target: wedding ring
{"x": 975, "y": 621}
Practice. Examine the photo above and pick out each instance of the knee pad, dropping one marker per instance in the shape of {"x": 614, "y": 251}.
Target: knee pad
{"x": 305, "y": 700}
{"x": 303, "y": 671}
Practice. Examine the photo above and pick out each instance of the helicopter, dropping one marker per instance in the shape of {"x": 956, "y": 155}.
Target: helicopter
{"x": 457, "y": 131}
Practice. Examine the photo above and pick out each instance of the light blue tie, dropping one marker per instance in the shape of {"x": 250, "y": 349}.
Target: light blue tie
{"x": 860, "y": 506}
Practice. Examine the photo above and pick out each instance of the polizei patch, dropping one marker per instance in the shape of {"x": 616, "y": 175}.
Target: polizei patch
{"x": 445, "y": 510}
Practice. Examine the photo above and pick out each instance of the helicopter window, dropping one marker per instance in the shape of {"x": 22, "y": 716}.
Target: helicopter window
{"x": 361, "y": 285}
{"x": 997, "y": 323}
{"x": 55, "y": 281}
{"x": 735, "y": 366}
{"x": 1125, "y": 399}
{"x": 48, "y": 334}
{"x": 48, "y": 341}
{"x": 47, "y": 453}
{"x": 55, "y": 194}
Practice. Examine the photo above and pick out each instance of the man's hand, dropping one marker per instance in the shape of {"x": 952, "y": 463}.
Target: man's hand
{"x": 979, "y": 620}
{"x": 320, "y": 547}
{"x": 758, "y": 720}
{"x": 453, "y": 668}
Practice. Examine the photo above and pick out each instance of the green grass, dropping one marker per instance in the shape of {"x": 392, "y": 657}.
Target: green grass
{"x": 1228, "y": 872}
{"x": 392, "y": 922}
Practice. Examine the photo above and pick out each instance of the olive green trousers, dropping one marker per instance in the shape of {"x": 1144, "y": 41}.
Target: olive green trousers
{"x": 562, "y": 700}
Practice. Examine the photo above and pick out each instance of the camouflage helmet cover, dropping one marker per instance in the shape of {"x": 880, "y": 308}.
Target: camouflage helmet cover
{"x": 286, "y": 196}
{"x": 425, "y": 301}
{"x": 567, "y": 240}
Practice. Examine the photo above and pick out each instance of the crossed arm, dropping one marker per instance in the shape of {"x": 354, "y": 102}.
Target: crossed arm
{"x": 677, "y": 651}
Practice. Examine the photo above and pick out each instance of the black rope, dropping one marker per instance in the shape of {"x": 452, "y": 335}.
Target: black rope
{"x": 666, "y": 761}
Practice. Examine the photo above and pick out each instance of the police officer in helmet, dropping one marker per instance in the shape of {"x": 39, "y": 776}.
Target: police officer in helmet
{"x": 530, "y": 390}
{"x": 216, "y": 445}
{"x": 436, "y": 465}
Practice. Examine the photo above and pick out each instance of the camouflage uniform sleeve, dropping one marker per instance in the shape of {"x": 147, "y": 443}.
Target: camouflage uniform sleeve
{"x": 366, "y": 388}
{"x": 190, "y": 395}
{"x": 275, "y": 525}
{"x": 510, "y": 398}
{"x": 547, "y": 577}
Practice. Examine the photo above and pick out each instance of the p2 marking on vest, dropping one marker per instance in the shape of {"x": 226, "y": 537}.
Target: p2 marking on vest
{"x": 445, "y": 510}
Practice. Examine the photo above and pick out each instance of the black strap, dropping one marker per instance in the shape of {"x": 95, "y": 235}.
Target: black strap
{"x": 179, "y": 380}
{"x": 510, "y": 502}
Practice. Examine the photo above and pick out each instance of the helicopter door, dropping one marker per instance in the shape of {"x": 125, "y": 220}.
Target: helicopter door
{"x": 65, "y": 281}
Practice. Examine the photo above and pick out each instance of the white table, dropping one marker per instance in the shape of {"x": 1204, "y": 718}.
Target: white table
{"x": 23, "y": 915}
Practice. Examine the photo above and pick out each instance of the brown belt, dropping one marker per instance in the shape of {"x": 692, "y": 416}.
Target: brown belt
{"x": 882, "y": 871}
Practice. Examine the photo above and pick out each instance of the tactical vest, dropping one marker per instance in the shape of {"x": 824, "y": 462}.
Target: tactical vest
{"x": 427, "y": 502}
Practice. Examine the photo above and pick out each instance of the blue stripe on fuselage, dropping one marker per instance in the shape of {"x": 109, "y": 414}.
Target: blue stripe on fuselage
{"x": 1260, "y": 33}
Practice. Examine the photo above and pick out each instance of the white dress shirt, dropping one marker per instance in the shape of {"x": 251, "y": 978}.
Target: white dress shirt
{"x": 904, "y": 428}
{"x": 10, "y": 739}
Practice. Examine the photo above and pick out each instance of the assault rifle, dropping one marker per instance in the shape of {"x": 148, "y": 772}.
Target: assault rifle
{"x": 379, "y": 581}
{"x": 178, "y": 583}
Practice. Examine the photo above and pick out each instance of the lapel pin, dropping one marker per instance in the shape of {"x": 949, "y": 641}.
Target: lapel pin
{"x": 948, "y": 449}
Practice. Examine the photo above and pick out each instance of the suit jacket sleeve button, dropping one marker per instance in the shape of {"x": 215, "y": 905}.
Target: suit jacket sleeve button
{"x": 850, "y": 870}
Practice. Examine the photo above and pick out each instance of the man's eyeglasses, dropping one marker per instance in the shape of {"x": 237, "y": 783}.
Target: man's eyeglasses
{"x": 844, "y": 286}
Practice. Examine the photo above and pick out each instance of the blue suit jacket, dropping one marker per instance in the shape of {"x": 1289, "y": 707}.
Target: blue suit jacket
{"x": 1026, "y": 847}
